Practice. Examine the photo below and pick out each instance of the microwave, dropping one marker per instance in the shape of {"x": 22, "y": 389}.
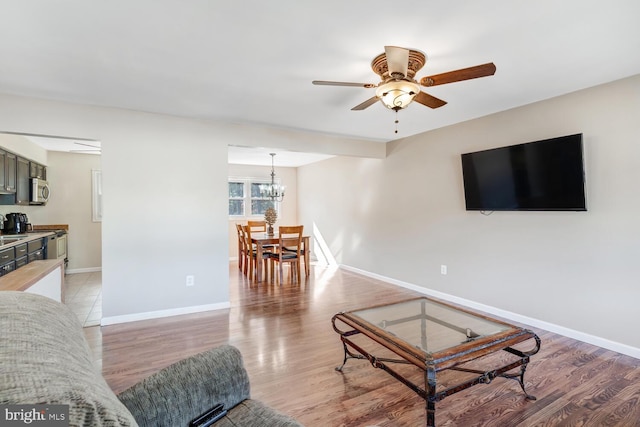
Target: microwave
{"x": 39, "y": 191}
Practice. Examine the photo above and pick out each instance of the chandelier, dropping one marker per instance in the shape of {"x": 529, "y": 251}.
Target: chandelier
{"x": 273, "y": 191}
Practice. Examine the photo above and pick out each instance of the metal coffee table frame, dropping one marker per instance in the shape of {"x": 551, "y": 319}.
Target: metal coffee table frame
{"x": 473, "y": 347}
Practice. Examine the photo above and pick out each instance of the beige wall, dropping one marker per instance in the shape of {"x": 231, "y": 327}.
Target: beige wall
{"x": 69, "y": 175}
{"x": 288, "y": 207}
{"x": 403, "y": 217}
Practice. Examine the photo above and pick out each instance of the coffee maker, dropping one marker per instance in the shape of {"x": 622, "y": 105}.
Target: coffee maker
{"x": 15, "y": 223}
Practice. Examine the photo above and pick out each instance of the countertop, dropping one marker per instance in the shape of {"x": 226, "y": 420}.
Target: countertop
{"x": 25, "y": 277}
{"x": 49, "y": 227}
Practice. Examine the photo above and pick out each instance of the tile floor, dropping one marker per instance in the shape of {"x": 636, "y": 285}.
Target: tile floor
{"x": 83, "y": 294}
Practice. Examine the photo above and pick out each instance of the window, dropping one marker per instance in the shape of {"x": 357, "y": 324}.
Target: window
{"x": 259, "y": 204}
{"x": 245, "y": 197}
{"x": 236, "y": 198}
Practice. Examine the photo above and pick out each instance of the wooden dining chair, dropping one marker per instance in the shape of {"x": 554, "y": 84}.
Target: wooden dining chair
{"x": 252, "y": 256}
{"x": 257, "y": 225}
{"x": 302, "y": 254}
{"x": 260, "y": 227}
{"x": 242, "y": 247}
{"x": 289, "y": 237}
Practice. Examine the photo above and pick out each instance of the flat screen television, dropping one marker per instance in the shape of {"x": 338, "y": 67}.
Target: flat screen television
{"x": 545, "y": 175}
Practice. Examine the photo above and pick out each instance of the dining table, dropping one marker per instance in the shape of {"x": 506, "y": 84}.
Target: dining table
{"x": 260, "y": 240}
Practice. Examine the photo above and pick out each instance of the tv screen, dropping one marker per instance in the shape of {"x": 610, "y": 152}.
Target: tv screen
{"x": 543, "y": 175}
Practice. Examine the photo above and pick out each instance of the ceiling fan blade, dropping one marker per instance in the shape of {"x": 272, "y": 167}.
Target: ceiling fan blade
{"x": 328, "y": 83}
{"x": 369, "y": 102}
{"x": 397, "y": 60}
{"x": 429, "y": 100}
{"x": 483, "y": 70}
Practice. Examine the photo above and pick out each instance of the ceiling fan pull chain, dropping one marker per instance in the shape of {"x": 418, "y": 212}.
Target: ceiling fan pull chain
{"x": 396, "y": 121}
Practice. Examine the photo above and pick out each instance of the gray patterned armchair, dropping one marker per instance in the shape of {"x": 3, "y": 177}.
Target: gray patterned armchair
{"x": 44, "y": 358}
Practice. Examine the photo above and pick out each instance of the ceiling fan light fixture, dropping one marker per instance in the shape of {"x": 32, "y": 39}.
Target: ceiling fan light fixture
{"x": 397, "y": 94}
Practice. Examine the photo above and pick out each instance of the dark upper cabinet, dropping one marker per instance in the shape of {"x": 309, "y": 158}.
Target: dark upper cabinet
{"x": 7, "y": 172}
{"x": 10, "y": 163}
{"x": 36, "y": 170}
{"x": 3, "y": 178}
{"x": 15, "y": 174}
{"x": 22, "y": 181}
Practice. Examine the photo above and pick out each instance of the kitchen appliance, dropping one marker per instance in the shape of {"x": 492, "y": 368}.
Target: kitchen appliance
{"x": 39, "y": 191}
{"x": 15, "y": 223}
{"x": 57, "y": 245}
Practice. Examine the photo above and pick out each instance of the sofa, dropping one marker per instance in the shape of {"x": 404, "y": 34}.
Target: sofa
{"x": 45, "y": 359}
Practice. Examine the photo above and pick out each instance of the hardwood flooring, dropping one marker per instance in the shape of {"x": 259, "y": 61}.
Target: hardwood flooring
{"x": 290, "y": 351}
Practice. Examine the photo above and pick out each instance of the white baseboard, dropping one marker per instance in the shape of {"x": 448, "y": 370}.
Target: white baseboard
{"x": 551, "y": 327}
{"x": 83, "y": 270}
{"x": 112, "y": 320}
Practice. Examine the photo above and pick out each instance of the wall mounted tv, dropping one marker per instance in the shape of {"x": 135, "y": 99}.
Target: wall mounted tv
{"x": 545, "y": 175}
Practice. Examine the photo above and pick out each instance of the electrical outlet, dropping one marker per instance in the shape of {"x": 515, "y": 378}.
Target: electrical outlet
{"x": 443, "y": 270}
{"x": 191, "y": 280}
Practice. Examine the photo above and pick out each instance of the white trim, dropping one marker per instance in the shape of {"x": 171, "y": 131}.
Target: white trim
{"x": 96, "y": 195}
{"x": 561, "y": 330}
{"x": 83, "y": 270}
{"x": 112, "y": 320}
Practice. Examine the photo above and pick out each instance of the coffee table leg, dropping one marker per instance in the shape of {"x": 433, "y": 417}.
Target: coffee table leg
{"x": 431, "y": 414}
{"x": 523, "y": 368}
{"x": 430, "y": 380}
{"x": 520, "y": 378}
{"x": 346, "y": 356}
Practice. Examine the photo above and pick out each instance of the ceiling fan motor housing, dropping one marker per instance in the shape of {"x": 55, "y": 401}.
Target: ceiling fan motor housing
{"x": 417, "y": 60}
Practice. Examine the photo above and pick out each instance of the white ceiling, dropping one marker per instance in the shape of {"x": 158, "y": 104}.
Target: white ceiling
{"x": 70, "y": 145}
{"x": 253, "y": 61}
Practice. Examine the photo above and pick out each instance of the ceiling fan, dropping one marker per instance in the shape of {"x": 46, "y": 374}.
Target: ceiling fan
{"x": 397, "y": 68}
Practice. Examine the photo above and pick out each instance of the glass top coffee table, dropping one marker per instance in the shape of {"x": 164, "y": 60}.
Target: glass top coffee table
{"x": 436, "y": 338}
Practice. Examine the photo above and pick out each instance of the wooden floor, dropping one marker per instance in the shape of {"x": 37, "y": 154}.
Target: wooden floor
{"x": 290, "y": 351}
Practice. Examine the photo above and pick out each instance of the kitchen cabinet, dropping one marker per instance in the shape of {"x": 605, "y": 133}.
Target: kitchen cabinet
{"x": 17, "y": 256}
{"x": 21, "y": 262}
{"x": 21, "y": 255}
{"x": 7, "y": 261}
{"x": 3, "y": 178}
{"x": 36, "y": 170}
{"x": 35, "y": 249}
{"x": 15, "y": 178}
{"x": 21, "y": 250}
{"x": 10, "y": 172}
{"x": 22, "y": 181}
{"x": 7, "y": 172}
